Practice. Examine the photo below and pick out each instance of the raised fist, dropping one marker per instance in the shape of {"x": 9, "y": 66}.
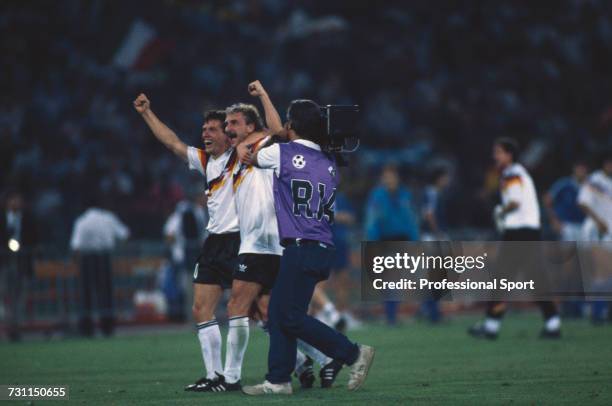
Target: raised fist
{"x": 142, "y": 104}
{"x": 256, "y": 89}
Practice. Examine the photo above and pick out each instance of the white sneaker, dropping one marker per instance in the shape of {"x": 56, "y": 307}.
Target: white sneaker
{"x": 268, "y": 388}
{"x": 359, "y": 370}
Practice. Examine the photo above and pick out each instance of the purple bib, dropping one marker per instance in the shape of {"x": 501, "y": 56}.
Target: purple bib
{"x": 305, "y": 193}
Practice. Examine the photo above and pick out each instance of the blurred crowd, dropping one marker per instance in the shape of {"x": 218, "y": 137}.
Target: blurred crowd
{"x": 436, "y": 82}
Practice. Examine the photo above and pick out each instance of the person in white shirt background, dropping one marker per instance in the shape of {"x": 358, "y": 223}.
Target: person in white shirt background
{"x": 94, "y": 236}
{"x": 184, "y": 232}
{"x": 595, "y": 199}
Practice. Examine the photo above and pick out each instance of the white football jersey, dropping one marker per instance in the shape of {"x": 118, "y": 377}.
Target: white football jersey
{"x": 218, "y": 173}
{"x": 517, "y": 186}
{"x": 596, "y": 194}
{"x": 255, "y": 205}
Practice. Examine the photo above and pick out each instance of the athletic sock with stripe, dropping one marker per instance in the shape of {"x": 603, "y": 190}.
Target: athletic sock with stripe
{"x": 210, "y": 343}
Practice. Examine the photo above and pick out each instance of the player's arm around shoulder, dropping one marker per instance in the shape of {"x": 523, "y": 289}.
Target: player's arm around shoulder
{"x": 251, "y": 144}
{"x": 249, "y": 149}
{"x": 267, "y": 157}
{"x": 161, "y": 131}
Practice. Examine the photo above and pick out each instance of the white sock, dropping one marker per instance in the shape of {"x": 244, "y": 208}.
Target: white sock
{"x": 331, "y": 313}
{"x": 313, "y": 353}
{"x": 553, "y": 323}
{"x": 237, "y": 341}
{"x": 492, "y": 325}
{"x": 300, "y": 358}
{"x": 210, "y": 343}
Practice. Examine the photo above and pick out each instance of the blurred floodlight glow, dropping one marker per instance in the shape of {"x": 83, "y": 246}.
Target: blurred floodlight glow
{"x": 13, "y": 245}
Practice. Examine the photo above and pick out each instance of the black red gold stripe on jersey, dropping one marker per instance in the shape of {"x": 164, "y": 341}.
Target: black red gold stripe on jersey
{"x": 220, "y": 180}
{"x": 239, "y": 176}
{"x": 203, "y": 157}
{"x": 244, "y": 169}
{"x": 510, "y": 180}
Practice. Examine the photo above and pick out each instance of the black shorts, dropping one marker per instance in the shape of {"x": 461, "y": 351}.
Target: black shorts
{"x": 258, "y": 268}
{"x": 522, "y": 234}
{"x": 218, "y": 260}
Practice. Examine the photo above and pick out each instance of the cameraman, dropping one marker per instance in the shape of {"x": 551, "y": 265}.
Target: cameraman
{"x": 304, "y": 197}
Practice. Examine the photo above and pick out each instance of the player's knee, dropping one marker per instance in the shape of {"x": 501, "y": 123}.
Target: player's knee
{"x": 196, "y": 309}
{"x": 263, "y": 312}
{"x": 237, "y": 306}
{"x": 201, "y": 312}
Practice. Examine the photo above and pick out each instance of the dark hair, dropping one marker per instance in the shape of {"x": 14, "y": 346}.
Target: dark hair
{"x": 11, "y": 192}
{"x": 509, "y": 145}
{"x": 306, "y": 120}
{"x": 214, "y": 115}
{"x": 438, "y": 173}
{"x": 92, "y": 198}
{"x": 390, "y": 167}
{"x": 580, "y": 161}
{"x": 250, "y": 113}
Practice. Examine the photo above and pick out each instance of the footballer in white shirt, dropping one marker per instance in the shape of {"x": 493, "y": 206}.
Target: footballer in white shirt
{"x": 217, "y": 264}
{"x": 595, "y": 199}
{"x": 518, "y": 219}
{"x": 260, "y": 248}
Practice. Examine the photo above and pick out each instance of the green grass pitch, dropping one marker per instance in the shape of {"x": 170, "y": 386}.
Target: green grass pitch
{"x": 415, "y": 364}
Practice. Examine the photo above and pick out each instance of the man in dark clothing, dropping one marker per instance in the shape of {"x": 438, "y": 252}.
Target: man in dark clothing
{"x": 19, "y": 237}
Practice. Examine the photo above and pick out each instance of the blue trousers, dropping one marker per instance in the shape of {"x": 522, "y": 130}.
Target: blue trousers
{"x": 301, "y": 268}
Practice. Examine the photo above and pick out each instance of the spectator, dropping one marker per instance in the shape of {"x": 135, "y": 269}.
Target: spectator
{"x": 94, "y": 236}
{"x": 389, "y": 216}
{"x": 435, "y": 228}
{"x": 466, "y": 72}
{"x": 561, "y": 201}
{"x": 185, "y": 232}
{"x": 566, "y": 218}
{"x": 435, "y": 223}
